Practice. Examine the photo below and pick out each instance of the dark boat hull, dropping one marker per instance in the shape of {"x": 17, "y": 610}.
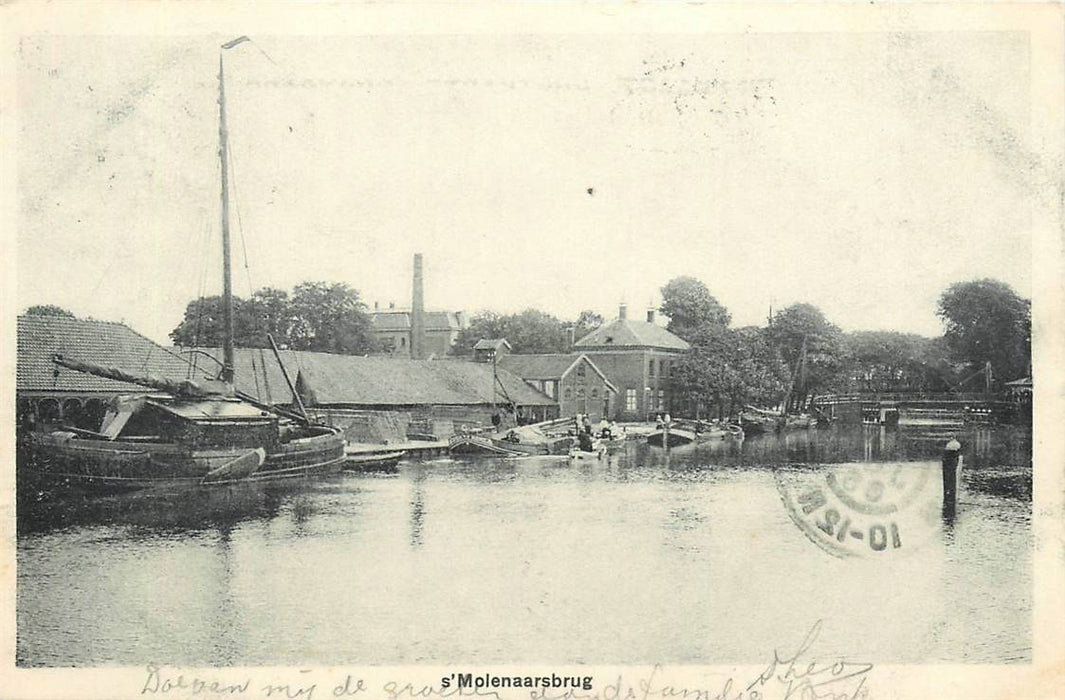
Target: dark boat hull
{"x": 55, "y": 461}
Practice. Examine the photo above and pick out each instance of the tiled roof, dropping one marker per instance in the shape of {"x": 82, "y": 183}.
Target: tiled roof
{"x": 547, "y": 366}
{"x": 400, "y": 321}
{"x": 100, "y": 342}
{"x": 491, "y": 344}
{"x": 356, "y": 380}
{"x": 625, "y": 333}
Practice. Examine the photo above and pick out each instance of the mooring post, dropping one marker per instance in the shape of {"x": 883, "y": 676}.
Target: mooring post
{"x": 951, "y": 459}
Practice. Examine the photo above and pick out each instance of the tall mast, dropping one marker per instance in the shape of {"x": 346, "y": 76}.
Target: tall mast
{"x": 227, "y": 282}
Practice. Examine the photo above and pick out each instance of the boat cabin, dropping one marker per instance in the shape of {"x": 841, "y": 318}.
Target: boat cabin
{"x": 211, "y": 422}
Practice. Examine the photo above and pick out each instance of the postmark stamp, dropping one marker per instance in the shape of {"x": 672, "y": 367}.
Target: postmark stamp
{"x": 864, "y": 509}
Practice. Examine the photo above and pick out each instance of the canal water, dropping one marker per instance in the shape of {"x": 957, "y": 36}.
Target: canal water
{"x": 702, "y": 555}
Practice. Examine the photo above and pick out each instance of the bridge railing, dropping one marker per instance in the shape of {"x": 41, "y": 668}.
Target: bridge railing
{"x": 904, "y": 397}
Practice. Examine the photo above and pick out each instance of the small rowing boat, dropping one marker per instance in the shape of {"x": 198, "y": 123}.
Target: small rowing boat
{"x": 373, "y": 461}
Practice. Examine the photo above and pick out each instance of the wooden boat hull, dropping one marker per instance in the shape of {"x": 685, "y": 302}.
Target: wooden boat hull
{"x": 479, "y": 445}
{"x": 757, "y": 424}
{"x": 580, "y": 455}
{"x": 59, "y": 459}
{"x": 686, "y": 433}
{"x": 674, "y": 437}
{"x": 373, "y": 461}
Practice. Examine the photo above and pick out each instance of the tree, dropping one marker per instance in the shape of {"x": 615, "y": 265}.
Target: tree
{"x": 802, "y": 326}
{"x": 49, "y": 310}
{"x": 892, "y": 361}
{"x": 530, "y": 331}
{"x": 725, "y": 369}
{"x": 269, "y": 311}
{"x": 318, "y": 316}
{"x": 203, "y": 325}
{"x": 587, "y": 321}
{"x": 690, "y": 306}
{"x": 986, "y": 321}
{"x": 329, "y": 317}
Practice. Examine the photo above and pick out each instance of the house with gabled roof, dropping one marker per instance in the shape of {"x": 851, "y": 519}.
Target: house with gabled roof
{"x": 638, "y": 357}
{"x": 572, "y": 379}
{"x": 393, "y": 327}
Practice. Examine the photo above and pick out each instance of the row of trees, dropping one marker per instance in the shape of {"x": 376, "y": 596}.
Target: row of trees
{"x": 800, "y": 352}
{"x": 322, "y": 316}
{"x": 529, "y": 331}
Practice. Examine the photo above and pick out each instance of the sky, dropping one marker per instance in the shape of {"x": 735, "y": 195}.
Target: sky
{"x": 863, "y": 173}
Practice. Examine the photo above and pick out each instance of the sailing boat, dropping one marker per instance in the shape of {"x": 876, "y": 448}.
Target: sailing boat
{"x": 186, "y": 433}
{"x": 756, "y": 421}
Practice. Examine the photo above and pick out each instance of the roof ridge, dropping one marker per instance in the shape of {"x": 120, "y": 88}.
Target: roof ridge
{"x": 67, "y": 319}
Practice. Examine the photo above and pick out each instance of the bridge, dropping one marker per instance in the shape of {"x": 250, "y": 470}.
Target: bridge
{"x": 927, "y": 408}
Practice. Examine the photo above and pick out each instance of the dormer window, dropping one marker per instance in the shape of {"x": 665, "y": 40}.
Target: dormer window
{"x": 609, "y": 339}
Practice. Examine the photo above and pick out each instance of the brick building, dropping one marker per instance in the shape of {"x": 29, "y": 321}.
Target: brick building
{"x": 571, "y": 379}
{"x": 637, "y": 357}
{"x": 394, "y": 328}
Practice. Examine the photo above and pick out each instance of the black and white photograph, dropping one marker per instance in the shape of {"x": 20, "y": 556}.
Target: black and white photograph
{"x": 611, "y": 351}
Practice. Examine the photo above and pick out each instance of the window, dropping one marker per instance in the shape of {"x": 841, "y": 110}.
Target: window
{"x": 580, "y": 392}
{"x": 661, "y": 399}
{"x": 551, "y": 388}
{"x": 402, "y": 342}
{"x": 595, "y": 393}
{"x": 580, "y": 370}
{"x": 667, "y": 368}
{"x": 569, "y": 392}
{"x": 651, "y": 366}
{"x": 630, "y": 400}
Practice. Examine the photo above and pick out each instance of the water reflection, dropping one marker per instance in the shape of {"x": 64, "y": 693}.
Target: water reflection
{"x": 686, "y": 556}
{"x": 417, "y": 505}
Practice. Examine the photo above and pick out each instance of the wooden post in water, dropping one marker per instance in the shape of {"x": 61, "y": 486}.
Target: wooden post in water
{"x": 951, "y": 468}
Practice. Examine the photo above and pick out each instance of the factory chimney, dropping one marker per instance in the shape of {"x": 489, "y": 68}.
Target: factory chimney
{"x": 417, "y": 313}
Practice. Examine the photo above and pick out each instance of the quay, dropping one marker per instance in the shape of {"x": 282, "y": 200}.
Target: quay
{"x": 412, "y": 448}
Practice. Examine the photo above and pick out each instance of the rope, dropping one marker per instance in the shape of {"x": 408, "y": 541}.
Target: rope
{"x": 266, "y": 376}
{"x": 240, "y": 220}
{"x": 255, "y": 376}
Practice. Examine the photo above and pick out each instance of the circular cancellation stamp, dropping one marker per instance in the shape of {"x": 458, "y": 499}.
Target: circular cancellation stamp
{"x": 864, "y": 509}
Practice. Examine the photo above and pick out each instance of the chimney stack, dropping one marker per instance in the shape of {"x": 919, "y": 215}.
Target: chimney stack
{"x": 622, "y": 311}
{"x": 417, "y": 313}
{"x": 650, "y": 315}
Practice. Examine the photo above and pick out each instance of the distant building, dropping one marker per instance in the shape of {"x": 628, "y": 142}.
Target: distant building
{"x": 637, "y": 357}
{"x": 393, "y": 328}
{"x": 416, "y": 333}
{"x": 488, "y": 348}
{"x": 571, "y": 379}
{"x": 47, "y": 393}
